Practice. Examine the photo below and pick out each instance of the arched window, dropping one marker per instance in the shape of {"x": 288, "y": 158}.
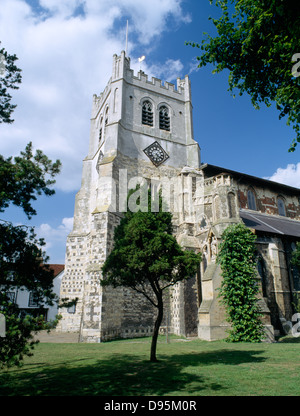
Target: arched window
{"x": 164, "y": 118}
{"x": 116, "y": 100}
{"x": 281, "y": 206}
{"x": 251, "y": 200}
{"x": 147, "y": 113}
{"x": 100, "y": 129}
{"x": 106, "y": 116}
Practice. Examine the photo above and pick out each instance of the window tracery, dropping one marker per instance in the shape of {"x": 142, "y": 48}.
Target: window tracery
{"x": 147, "y": 113}
{"x": 164, "y": 118}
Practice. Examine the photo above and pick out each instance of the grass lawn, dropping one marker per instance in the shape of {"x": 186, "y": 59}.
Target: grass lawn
{"x": 186, "y": 368}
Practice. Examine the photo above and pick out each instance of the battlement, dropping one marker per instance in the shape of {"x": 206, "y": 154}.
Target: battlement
{"x": 121, "y": 71}
{"x": 98, "y": 100}
{"x": 143, "y": 79}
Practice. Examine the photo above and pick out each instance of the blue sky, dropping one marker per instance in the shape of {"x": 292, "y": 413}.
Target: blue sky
{"x": 65, "y": 50}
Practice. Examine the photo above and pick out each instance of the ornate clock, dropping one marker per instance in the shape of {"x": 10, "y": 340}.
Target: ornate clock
{"x": 156, "y": 153}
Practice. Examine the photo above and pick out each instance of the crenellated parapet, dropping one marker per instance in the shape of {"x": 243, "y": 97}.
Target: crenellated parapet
{"x": 121, "y": 71}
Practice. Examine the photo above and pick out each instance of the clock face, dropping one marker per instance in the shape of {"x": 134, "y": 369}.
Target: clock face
{"x": 156, "y": 153}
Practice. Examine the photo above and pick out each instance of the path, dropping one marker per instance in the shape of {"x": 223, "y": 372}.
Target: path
{"x": 53, "y": 336}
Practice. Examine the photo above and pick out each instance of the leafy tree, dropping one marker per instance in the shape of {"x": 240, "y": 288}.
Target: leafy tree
{"x": 22, "y": 265}
{"x": 147, "y": 258}
{"x": 25, "y": 177}
{"x": 10, "y": 77}
{"x": 22, "y": 260}
{"x": 258, "y": 41}
{"x": 239, "y": 287}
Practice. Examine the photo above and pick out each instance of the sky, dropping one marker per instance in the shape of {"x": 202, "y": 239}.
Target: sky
{"x": 65, "y": 50}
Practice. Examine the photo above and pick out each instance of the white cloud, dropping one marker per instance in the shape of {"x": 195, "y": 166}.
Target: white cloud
{"x": 168, "y": 71}
{"x": 55, "y": 239}
{"x": 171, "y": 69}
{"x": 66, "y": 56}
{"x": 53, "y": 235}
{"x": 288, "y": 176}
{"x": 64, "y": 7}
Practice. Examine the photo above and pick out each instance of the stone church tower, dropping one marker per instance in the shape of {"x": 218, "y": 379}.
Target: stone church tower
{"x": 140, "y": 128}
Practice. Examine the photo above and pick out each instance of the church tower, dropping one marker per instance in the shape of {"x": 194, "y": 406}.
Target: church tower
{"x": 140, "y": 129}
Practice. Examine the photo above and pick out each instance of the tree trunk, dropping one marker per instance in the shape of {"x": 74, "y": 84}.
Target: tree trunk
{"x": 156, "y": 327}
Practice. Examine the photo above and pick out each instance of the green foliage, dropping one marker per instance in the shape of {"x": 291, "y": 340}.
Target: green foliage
{"x": 239, "y": 288}
{"x": 22, "y": 260}
{"x": 19, "y": 340}
{"x": 22, "y": 265}
{"x": 24, "y": 177}
{"x": 10, "y": 76}
{"x": 296, "y": 256}
{"x": 145, "y": 251}
{"x": 146, "y": 256}
{"x": 256, "y": 42}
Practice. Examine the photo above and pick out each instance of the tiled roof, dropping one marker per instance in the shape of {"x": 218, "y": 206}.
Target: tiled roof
{"x": 271, "y": 223}
{"x": 57, "y": 268}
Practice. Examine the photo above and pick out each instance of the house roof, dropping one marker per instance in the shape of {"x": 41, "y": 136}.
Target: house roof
{"x": 270, "y": 223}
{"x": 57, "y": 268}
{"x": 212, "y": 170}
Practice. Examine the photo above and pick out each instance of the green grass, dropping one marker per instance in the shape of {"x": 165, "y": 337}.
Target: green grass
{"x": 186, "y": 368}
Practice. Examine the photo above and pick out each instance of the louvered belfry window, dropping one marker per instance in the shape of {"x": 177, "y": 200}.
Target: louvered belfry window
{"x": 147, "y": 113}
{"x": 164, "y": 119}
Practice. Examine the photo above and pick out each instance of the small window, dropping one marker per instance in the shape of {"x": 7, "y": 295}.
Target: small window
{"x": 281, "y": 207}
{"x": 116, "y": 100}
{"x": 100, "y": 129}
{"x": 106, "y": 116}
{"x": 147, "y": 114}
{"x": 33, "y": 301}
{"x": 164, "y": 119}
{"x": 251, "y": 200}
{"x": 72, "y": 309}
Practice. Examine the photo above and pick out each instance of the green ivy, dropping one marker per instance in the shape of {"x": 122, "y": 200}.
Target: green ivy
{"x": 239, "y": 287}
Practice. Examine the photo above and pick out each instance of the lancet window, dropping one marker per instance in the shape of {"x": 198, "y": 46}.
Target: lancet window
{"x": 164, "y": 118}
{"x": 251, "y": 200}
{"x": 147, "y": 113}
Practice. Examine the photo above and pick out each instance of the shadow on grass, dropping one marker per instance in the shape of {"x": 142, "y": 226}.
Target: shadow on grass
{"x": 123, "y": 375}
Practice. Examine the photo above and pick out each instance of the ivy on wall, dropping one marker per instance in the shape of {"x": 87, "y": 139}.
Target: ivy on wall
{"x": 239, "y": 288}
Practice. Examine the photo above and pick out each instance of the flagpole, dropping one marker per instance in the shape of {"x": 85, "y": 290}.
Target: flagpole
{"x": 126, "y": 46}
